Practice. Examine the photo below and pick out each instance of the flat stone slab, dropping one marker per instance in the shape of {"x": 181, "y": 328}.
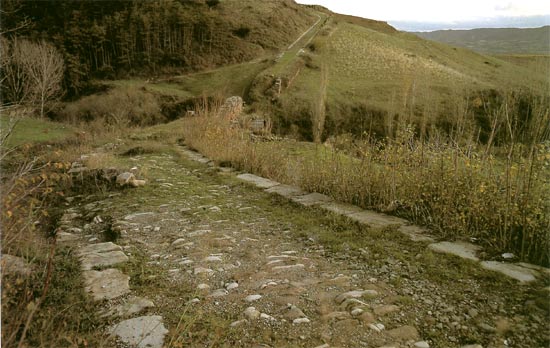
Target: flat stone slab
{"x": 515, "y": 271}
{"x": 65, "y": 237}
{"x": 99, "y": 248}
{"x": 460, "y": 249}
{"x": 416, "y": 233}
{"x": 341, "y": 208}
{"x": 311, "y": 199}
{"x": 106, "y": 285}
{"x": 377, "y": 220}
{"x": 109, "y": 258}
{"x": 257, "y": 181}
{"x": 286, "y": 191}
{"x": 138, "y": 215}
{"x": 133, "y": 305}
{"x": 195, "y": 156}
{"x": 141, "y": 332}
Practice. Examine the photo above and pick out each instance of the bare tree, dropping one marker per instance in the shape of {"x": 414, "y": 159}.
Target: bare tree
{"x": 44, "y": 66}
{"x": 32, "y": 73}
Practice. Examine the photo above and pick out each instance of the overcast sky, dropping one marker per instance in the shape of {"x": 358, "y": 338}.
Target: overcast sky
{"x": 440, "y": 11}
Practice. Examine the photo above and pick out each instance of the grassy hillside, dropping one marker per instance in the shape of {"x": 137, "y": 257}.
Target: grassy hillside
{"x": 496, "y": 40}
{"x": 379, "y": 78}
{"x": 119, "y": 39}
{"x": 358, "y": 76}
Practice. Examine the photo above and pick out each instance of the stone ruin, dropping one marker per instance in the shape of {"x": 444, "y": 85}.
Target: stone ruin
{"x": 232, "y": 107}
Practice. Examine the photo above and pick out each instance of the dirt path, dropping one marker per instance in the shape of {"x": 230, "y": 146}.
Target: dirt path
{"x": 227, "y": 265}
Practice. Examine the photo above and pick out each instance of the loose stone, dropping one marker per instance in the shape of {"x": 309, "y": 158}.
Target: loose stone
{"x": 251, "y": 313}
{"x": 301, "y": 321}
{"x": 238, "y": 323}
{"x": 232, "y": 286}
{"x": 252, "y": 298}
{"x": 218, "y": 293}
{"x": 378, "y": 327}
{"x": 355, "y": 294}
{"x": 142, "y": 332}
{"x": 200, "y": 270}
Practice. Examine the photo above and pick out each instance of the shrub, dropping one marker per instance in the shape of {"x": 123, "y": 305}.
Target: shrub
{"x": 461, "y": 192}
{"x": 118, "y": 108}
{"x": 242, "y": 32}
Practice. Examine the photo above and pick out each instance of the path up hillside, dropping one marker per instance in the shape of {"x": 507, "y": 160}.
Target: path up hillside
{"x": 211, "y": 261}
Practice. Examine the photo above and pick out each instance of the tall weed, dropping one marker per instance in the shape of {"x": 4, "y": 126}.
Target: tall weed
{"x": 458, "y": 189}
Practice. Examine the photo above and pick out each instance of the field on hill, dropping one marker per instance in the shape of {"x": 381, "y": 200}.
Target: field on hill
{"x": 376, "y": 79}
{"x": 496, "y": 40}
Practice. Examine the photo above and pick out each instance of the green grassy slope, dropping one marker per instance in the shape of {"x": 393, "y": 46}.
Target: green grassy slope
{"x": 371, "y": 72}
{"x": 377, "y": 77}
{"x": 496, "y": 40}
{"x": 31, "y": 130}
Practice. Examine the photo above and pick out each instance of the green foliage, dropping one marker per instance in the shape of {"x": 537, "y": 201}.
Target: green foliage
{"x": 119, "y": 38}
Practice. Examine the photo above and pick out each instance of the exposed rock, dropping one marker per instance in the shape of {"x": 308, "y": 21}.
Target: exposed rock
{"x": 251, "y": 313}
{"x": 294, "y": 313}
{"x": 355, "y": 294}
{"x": 65, "y": 237}
{"x": 311, "y": 199}
{"x": 15, "y": 265}
{"x": 213, "y": 259}
{"x": 141, "y": 332}
{"x": 357, "y": 312}
{"x": 178, "y": 242}
{"x": 132, "y": 306}
{"x": 301, "y": 321}
{"x": 378, "y": 327}
{"x": 523, "y": 275}
{"x": 138, "y": 215}
{"x": 421, "y": 344}
{"x": 267, "y": 317}
{"x": 472, "y": 346}
{"x": 416, "y": 233}
{"x": 375, "y": 219}
{"x": 200, "y": 270}
{"x": 286, "y": 190}
{"x": 137, "y": 183}
{"x": 125, "y": 178}
{"x": 109, "y": 258}
{"x": 232, "y": 286}
{"x": 108, "y": 284}
{"x": 218, "y": 293}
{"x": 252, "y": 298}
{"x": 257, "y": 181}
{"x": 460, "y": 249}
{"x": 99, "y": 248}
{"x": 238, "y": 323}
{"x": 341, "y": 208}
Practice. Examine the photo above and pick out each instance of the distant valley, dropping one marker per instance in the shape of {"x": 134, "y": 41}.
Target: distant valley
{"x": 495, "y": 40}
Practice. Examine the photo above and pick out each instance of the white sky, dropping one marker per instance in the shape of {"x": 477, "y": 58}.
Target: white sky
{"x": 435, "y": 10}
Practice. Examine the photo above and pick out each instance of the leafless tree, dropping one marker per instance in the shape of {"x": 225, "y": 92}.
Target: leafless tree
{"x": 32, "y": 73}
{"x": 44, "y": 67}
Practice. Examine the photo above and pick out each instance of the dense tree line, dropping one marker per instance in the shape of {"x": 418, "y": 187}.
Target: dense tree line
{"x": 114, "y": 38}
